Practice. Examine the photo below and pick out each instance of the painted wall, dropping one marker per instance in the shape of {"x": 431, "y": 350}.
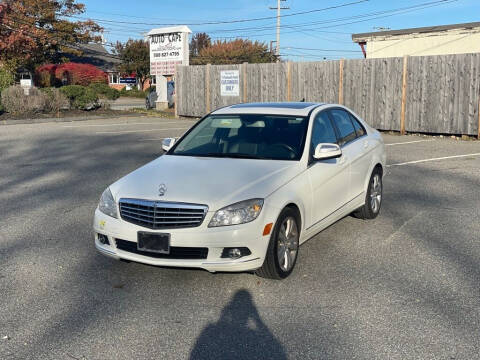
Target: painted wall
{"x": 444, "y": 43}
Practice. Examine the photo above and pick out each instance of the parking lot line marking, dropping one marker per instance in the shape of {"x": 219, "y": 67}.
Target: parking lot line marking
{"x": 409, "y": 142}
{"x": 136, "y": 131}
{"x": 434, "y": 159}
{"x": 119, "y": 124}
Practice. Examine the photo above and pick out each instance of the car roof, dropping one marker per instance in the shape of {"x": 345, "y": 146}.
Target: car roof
{"x": 277, "y": 108}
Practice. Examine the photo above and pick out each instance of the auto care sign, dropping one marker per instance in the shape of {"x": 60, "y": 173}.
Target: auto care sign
{"x": 230, "y": 83}
{"x": 168, "y": 48}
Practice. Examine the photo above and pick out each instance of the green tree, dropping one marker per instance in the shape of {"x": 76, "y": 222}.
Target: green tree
{"x": 235, "y": 52}
{"x": 135, "y": 56}
{"x": 198, "y": 43}
{"x": 33, "y": 32}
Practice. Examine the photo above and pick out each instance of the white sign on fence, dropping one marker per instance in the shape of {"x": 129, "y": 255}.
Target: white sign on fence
{"x": 230, "y": 83}
{"x": 168, "y": 47}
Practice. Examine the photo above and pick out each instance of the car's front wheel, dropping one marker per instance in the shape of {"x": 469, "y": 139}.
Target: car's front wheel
{"x": 283, "y": 248}
{"x": 373, "y": 200}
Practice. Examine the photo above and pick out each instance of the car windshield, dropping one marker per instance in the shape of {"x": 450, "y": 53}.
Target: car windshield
{"x": 246, "y": 136}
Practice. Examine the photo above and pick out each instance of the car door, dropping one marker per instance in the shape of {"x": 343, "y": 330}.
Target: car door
{"x": 355, "y": 145}
{"x": 329, "y": 179}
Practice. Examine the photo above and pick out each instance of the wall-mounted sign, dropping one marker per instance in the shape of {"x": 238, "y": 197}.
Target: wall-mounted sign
{"x": 230, "y": 83}
{"x": 168, "y": 48}
{"x": 128, "y": 80}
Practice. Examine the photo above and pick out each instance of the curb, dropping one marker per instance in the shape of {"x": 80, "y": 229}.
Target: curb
{"x": 66, "y": 119}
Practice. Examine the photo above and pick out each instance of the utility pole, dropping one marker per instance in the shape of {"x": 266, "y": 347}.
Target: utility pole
{"x": 278, "y": 8}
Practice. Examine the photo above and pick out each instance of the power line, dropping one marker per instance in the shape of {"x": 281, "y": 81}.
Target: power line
{"x": 224, "y": 22}
{"x": 313, "y": 49}
{"x": 297, "y": 27}
{"x": 388, "y": 13}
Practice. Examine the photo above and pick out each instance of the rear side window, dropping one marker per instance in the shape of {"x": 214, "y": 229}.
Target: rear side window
{"x": 344, "y": 125}
{"x": 359, "y": 129}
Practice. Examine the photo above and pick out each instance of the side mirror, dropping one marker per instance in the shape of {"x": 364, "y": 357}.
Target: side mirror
{"x": 327, "y": 151}
{"x": 167, "y": 143}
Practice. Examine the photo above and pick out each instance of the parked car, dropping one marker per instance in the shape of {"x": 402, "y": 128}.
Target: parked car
{"x": 152, "y": 97}
{"x": 243, "y": 188}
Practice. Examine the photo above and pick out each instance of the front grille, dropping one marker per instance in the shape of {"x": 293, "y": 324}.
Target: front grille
{"x": 162, "y": 215}
{"x": 188, "y": 253}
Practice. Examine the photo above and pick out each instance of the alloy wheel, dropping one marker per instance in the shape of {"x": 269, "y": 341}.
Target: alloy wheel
{"x": 376, "y": 193}
{"x": 288, "y": 241}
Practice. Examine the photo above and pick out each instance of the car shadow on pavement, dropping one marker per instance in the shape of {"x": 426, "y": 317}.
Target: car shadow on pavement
{"x": 239, "y": 334}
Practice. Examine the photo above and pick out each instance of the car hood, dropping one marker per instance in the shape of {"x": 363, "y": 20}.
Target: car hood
{"x": 216, "y": 182}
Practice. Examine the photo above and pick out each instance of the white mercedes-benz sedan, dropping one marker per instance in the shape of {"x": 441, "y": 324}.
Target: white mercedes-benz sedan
{"x": 244, "y": 188}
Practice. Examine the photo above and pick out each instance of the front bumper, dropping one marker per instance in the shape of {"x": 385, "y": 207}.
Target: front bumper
{"x": 215, "y": 239}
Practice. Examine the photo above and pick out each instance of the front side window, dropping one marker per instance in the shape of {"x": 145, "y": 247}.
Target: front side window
{"x": 322, "y": 131}
{"x": 248, "y": 136}
{"x": 344, "y": 125}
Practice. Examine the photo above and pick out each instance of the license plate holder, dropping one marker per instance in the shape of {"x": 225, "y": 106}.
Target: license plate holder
{"x": 153, "y": 242}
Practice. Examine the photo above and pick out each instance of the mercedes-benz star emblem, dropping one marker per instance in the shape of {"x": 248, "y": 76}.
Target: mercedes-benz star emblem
{"x": 162, "y": 189}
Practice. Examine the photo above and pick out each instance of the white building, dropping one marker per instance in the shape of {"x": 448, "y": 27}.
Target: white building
{"x": 433, "y": 40}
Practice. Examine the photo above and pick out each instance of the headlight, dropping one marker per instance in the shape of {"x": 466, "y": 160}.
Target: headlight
{"x": 238, "y": 213}
{"x": 107, "y": 204}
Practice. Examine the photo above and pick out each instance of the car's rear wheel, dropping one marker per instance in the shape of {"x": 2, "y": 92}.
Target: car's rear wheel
{"x": 373, "y": 200}
{"x": 283, "y": 248}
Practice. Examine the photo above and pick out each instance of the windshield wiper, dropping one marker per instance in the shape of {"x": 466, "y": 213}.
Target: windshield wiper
{"x": 231, "y": 155}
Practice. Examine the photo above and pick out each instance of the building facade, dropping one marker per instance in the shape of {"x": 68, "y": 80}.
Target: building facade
{"x": 425, "y": 41}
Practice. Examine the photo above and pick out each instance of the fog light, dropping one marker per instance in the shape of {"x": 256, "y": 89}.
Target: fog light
{"x": 235, "y": 253}
{"x": 103, "y": 239}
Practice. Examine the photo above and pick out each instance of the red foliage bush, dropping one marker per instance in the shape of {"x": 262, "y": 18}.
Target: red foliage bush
{"x": 69, "y": 74}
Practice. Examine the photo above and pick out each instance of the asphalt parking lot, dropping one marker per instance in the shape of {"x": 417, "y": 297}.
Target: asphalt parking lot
{"x": 404, "y": 286}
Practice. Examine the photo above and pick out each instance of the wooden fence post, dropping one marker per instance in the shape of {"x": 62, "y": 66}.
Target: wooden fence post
{"x": 289, "y": 81}
{"x": 245, "y": 84}
{"x": 340, "y": 83}
{"x": 207, "y": 88}
{"x": 404, "y": 95}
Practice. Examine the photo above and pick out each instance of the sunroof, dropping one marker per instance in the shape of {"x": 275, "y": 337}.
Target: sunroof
{"x": 286, "y": 105}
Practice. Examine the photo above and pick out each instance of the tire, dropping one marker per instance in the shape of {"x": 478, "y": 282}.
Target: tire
{"x": 147, "y": 104}
{"x": 284, "y": 240}
{"x": 373, "y": 199}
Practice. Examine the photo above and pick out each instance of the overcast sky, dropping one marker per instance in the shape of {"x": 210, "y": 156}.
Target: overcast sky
{"x": 324, "y": 29}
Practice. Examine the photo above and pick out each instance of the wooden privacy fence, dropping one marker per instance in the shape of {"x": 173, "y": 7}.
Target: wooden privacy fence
{"x": 432, "y": 94}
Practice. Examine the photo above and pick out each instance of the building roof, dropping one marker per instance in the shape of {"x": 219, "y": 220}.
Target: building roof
{"x": 172, "y": 29}
{"x": 282, "y": 108}
{"x": 362, "y": 37}
{"x": 95, "y": 54}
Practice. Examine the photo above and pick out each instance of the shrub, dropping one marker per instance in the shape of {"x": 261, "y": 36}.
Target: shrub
{"x": 16, "y": 102}
{"x": 80, "y": 74}
{"x": 133, "y": 93}
{"x": 70, "y": 73}
{"x": 80, "y": 97}
{"x": 56, "y": 100}
{"x": 45, "y": 76}
{"x": 6, "y": 79}
{"x": 105, "y": 91}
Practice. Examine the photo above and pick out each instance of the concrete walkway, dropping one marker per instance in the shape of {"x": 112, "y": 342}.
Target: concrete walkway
{"x": 127, "y": 103}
